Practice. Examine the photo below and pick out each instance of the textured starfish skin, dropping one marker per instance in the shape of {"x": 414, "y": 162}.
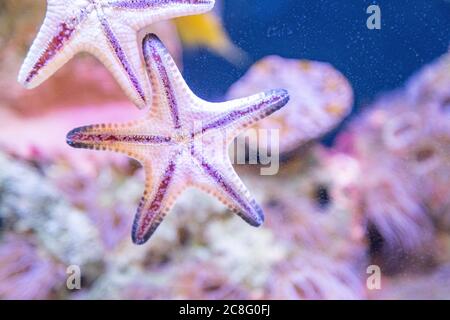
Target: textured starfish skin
{"x": 183, "y": 141}
{"x": 107, "y": 29}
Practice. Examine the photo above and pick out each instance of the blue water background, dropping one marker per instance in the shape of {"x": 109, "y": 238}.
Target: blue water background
{"x": 413, "y": 33}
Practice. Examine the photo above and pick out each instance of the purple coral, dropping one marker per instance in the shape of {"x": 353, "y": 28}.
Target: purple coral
{"x": 401, "y": 145}
{"x": 25, "y": 272}
{"x": 207, "y": 281}
{"x": 319, "y": 278}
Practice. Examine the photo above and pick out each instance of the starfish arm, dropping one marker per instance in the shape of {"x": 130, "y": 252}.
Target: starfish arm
{"x": 237, "y": 115}
{"x": 57, "y": 42}
{"x": 170, "y": 91}
{"x": 66, "y": 32}
{"x": 217, "y": 177}
{"x": 161, "y": 190}
{"x": 156, "y": 10}
{"x": 126, "y": 138}
{"x": 119, "y": 50}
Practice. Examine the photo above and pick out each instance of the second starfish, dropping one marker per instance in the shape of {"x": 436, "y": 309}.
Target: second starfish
{"x": 109, "y": 30}
{"x": 182, "y": 142}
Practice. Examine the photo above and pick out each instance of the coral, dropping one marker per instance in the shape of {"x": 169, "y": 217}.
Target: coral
{"x": 108, "y": 201}
{"x": 312, "y": 276}
{"x": 308, "y": 211}
{"x": 25, "y": 271}
{"x": 431, "y": 85}
{"x": 28, "y": 203}
{"x": 247, "y": 257}
{"x": 400, "y": 145}
{"x": 429, "y": 93}
{"x": 130, "y": 283}
{"x": 320, "y": 238}
{"x": 432, "y": 286}
{"x": 207, "y": 281}
{"x": 321, "y": 97}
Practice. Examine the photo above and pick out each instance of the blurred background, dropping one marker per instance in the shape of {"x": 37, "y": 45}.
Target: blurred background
{"x": 362, "y": 192}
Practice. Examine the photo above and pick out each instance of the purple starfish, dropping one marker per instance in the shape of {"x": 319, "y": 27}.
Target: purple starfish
{"x": 108, "y": 29}
{"x": 182, "y": 142}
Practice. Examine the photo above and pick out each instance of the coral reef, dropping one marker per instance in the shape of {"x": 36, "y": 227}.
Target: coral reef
{"x": 194, "y": 239}
{"x": 433, "y": 286}
{"x": 401, "y": 147}
{"x": 320, "y": 278}
{"x": 30, "y": 204}
{"x": 321, "y": 97}
{"x": 377, "y": 197}
{"x": 26, "y": 272}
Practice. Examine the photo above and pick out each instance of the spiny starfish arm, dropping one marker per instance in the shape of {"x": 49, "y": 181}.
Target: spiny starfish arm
{"x": 161, "y": 190}
{"x": 160, "y": 10}
{"x": 124, "y": 138}
{"x": 170, "y": 91}
{"x": 119, "y": 51}
{"x": 237, "y": 115}
{"x": 219, "y": 179}
{"x": 57, "y": 42}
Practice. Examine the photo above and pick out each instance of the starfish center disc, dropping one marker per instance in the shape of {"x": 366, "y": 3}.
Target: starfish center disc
{"x": 182, "y": 137}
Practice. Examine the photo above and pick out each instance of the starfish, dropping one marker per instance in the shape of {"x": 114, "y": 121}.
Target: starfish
{"x": 107, "y": 29}
{"x": 181, "y": 142}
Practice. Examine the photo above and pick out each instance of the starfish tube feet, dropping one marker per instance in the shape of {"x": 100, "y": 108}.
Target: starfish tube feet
{"x": 112, "y": 137}
{"x": 155, "y": 204}
{"x": 182, "y": 142}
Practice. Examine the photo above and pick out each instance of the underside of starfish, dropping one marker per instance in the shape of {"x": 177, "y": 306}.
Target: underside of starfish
{"x": 183, "y": 141}
{"x": 109, "y": 30}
